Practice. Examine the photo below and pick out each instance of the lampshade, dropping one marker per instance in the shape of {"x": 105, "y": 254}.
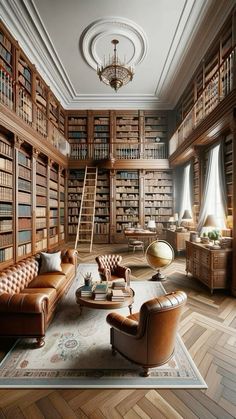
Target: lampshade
{"x": 151, "y": 224}
{"x": 210, "y": 221}
{"x": 187, "y": 216}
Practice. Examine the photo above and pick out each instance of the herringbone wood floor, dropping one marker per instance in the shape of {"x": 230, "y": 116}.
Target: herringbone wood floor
{"x": 208, "y": 328}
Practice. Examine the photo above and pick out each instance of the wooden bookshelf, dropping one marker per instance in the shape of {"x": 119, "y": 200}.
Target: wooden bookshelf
{"x": 196, "y": 187}
{"x": 41, "y": 224}
{"x": 127, "y": 137}
{"x": 158, "y": 204}
{"x": 62, "y": 205}
{"x": 127, "y": 200}
{"x": 41, "y": 99}
{"x": 24, "y": 201}
{"x": 102, "y": 211}
{"x": 101, "y": 136}
{"x": 53, "y": 109}
{"x": 6, "y": 201}
{"x": 77, "y": 136}
{"x": 155, "y": 133}
{"x": 53, "y": 206}
{"x": 75, "y": 186}
{"x": 6, "y": 53}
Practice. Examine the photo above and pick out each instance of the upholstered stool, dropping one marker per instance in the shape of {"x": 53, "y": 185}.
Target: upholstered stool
{"x": 135, "y": 244}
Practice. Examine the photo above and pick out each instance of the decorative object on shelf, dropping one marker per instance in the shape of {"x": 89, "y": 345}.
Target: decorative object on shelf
{"x": 115, "y": 73}
{"x": 151, "y": 225}
{"x": 159, "y": 254}
{"x": 176, "y": 218}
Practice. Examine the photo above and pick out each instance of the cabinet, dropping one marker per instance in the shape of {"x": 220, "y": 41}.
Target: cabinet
{"x": 177, "y": 239}
{"x": 211, "y": 267}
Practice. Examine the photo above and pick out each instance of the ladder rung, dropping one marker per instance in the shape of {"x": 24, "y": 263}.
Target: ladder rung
{"x": 85, "y": 222}
{"x": 85, "y": 241}
{"x": 82, "y": 230}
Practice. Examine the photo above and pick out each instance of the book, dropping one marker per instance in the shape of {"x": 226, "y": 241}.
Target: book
{"x": 117, "y": 295}
{"x": 86, "y": 291}
{"x": 101, "y": 289}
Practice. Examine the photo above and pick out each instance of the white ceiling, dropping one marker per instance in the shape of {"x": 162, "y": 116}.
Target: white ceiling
{"x": 164, "y": 33}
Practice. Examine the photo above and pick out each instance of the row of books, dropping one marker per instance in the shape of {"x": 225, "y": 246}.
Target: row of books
{"x": 24, "y": 210}
{"x": 40, "y": 245}
{"x": 5, "y": 179}
{"x": 53, "y": 184}
{"x": 41, "y": 190}
{"x": 153, "y": 203}
{"x": 5, "y": 194}
{"x": 158, "y": 182}
{"x": 4, "y": 163}
{"x": 41, "y": 169}
{"x": 24, "y": 197}
{"x": 6, "y": 149}
{"x": 24, "y": 173}
{"x": 24, "y": 249}
{"x": 6, "y": 239}
{"x": 41, "y": 200}
{"x": 5, "y": 225}
{"x": 53, "y": 240}
{"x": 24, "y": 236}
{"x": 24, "y": 223}
{"x": 5, "y": 209}
{"x": 41, "y": 180}
{"x": 78, "y": 121}
{"x": 5, "y": 54}
{"x": 6, "y": 254}
{"x": 24, "y": 184}
{"x": 41, "y": 212}
{"x": 41, "y": 234}
{"x": 53, "y": 202}
{"x": 41, "y": 222}
{"x": 53, "y": 175}
{"x": 159, "y": 189}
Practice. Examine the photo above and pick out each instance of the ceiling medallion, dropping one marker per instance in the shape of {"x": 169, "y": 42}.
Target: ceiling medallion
{"x": 114, "y": 73}
{"x": 94, "y": 39}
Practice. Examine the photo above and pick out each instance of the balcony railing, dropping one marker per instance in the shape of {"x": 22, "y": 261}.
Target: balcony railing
{"x": 119, "y": 151}
{"x": 218, "y": 87}
{"x": 30, "y": 112}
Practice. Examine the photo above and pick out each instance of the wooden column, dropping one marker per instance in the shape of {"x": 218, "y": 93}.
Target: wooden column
{"x": 233, "y": 287}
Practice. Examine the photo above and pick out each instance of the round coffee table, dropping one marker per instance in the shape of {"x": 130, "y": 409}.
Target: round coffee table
{"x": 105, "y": 304}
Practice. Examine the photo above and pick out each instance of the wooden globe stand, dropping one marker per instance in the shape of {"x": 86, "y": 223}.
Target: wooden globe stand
{"x": 159, "y": 276}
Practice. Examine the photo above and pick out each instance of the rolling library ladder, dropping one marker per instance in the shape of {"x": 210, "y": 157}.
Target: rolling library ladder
{"x": 87, "y": 208}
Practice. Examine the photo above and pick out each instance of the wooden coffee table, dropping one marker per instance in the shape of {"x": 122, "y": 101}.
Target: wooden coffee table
{"x": 105, "y": 304}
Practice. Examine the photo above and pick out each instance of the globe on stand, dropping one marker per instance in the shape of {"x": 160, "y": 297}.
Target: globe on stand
{"x": 159, "y": 254}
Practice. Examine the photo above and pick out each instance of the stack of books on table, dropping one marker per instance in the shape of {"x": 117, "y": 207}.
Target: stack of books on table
{"x": 100, "y": 292}
{"x": 86, "y": 291}
{"x": 121, "y": 286}
{"x": 117, "y": 295}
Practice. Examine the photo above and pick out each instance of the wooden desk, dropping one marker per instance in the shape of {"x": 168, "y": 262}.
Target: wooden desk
{"x": 212, "y": 267}
{"x": 140, "y": 234}
{"x": 177, "y": 239}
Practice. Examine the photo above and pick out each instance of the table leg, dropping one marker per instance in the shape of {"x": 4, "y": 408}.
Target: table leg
{"x": 130, "y": 309}
{"x": 80, "y": 309}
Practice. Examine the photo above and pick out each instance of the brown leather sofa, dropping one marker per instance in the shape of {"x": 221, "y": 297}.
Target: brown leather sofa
{"x": 28, "y": 299}
{"x": 110, "y": 268}
{"x": 148, "y": 338}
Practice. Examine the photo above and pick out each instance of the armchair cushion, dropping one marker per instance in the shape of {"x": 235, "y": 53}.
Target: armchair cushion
{"x": 122, "y": 323}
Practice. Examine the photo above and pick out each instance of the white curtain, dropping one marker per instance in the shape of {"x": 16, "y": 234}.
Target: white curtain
{"x": 186, "y": 193}
{"x": 213, "y": 200}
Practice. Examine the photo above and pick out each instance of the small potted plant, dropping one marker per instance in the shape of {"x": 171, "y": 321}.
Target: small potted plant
{"x": 88, "y": 278}
{"x": 214, "y": 235}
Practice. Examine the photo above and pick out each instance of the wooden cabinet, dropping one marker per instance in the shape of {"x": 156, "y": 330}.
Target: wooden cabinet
{"x": 177, "y": 239}
{"x": 211, "y": 267}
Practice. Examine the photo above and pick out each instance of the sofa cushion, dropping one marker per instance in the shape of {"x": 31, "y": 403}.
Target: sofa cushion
{"x": 53, "y": 280}
{"x": 50, "y": 262}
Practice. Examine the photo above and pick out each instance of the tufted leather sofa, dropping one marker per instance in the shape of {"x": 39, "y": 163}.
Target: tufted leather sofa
{"x": 110, "y": 268}
{"x": 28, "y": 299}
{"x": 148, "y": 338}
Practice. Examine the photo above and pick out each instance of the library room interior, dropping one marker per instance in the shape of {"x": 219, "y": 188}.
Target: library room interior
{"x": 117, "y": 208}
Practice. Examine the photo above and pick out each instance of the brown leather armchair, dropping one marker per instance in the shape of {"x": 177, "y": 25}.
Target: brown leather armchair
{"x": 148, "y": 338}
{"x": 109, "y": 267}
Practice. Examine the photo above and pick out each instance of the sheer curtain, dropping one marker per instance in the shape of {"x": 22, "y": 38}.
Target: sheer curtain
{"x": 214, "y": 192}
{"x": 186, "y": 203}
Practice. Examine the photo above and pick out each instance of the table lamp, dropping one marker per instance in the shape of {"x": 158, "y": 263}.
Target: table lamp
{"x": 171, "y": 221}
{"x": 210, "y": 221}
{"x": 151, "y": 225}
{"x": 187, "y": 217}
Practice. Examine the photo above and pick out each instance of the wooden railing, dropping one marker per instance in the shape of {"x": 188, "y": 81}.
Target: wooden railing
{"x": 15, "y": 97}
{"x": 119, "y": 151}
{"x": 218, "y": 87}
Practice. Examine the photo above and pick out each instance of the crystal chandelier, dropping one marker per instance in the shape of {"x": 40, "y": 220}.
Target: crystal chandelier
{"x": 114, "y": 73}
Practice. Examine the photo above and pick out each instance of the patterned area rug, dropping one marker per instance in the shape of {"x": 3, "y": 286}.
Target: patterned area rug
{"x": 77, "y": 352}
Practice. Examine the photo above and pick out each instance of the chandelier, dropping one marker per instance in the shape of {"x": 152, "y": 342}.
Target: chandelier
{"x": 114, "y": 73}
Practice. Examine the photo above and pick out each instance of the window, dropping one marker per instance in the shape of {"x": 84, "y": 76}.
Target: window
{"x": 186, "y": 194}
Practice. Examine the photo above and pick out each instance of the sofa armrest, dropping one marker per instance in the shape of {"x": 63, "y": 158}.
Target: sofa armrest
{"x": 123, "y": 324}
{"x": 123, "y": 272}
{"x": 69, "y": 256}
{"x": 23, "y": 303}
